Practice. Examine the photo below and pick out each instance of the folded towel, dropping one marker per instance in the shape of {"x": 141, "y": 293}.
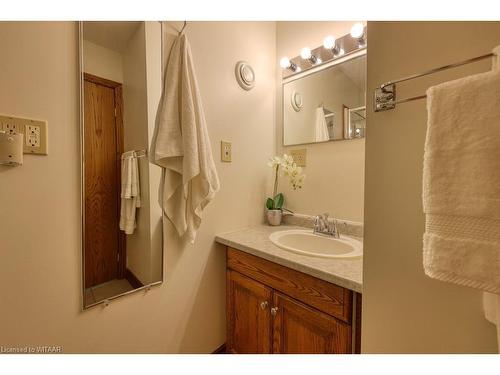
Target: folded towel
{"x": 182, "y": 146}
{"x": 320, "y": 126}
{"x": 130, "y": 192}
{"x": 461, "y": 182}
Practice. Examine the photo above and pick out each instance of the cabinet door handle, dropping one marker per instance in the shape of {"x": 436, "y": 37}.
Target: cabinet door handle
{"x": 263, "y": 305}
{"x": 274, "y": 311}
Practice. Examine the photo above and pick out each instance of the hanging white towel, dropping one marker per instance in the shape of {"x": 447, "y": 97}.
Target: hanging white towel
{"x": 320, "y": 126}
{"x": 130, "y": 192}
{"x": 182, "y": 146}
{"x": 461, "y": 194}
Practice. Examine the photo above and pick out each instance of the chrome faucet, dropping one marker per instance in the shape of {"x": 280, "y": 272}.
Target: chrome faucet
{"x": 323, "y": 226}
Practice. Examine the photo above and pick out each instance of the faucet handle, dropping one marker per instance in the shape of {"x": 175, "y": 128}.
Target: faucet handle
{"x": 335, "y": 229}
{"x": 317, "y": 223}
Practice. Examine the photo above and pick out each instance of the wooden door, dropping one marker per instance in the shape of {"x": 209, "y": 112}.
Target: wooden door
{"x": 103, "y": 146}
{"x": 248, "y": 316}
{"x": 300, "y": 329}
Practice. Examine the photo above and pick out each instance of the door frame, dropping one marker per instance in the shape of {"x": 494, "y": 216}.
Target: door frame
{"x": 117, "y": 87}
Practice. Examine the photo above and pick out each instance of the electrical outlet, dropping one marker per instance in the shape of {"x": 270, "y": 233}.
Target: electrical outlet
{"x": 299, "y": 156}
{"x": 10, "y": 126}
{"x": 225, "y": 151}
{"x": 32, "y": 136}
{"x": 34, "y": 131}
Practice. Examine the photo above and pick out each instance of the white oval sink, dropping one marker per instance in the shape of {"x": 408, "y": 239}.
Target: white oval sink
{"x": 305, "y": 242}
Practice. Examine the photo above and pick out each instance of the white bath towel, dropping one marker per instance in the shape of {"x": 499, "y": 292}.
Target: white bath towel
{"x": 182, "y": 146}
{"x": 320, "y": 126}
{"x": 461, "y": 182}
{"x": 130, "y": 192}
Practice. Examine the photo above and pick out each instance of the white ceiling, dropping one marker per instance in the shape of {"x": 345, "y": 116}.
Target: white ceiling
{"x": 113, "y": 35}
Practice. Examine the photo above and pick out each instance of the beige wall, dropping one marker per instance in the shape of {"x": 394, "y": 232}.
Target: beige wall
{"x": 40, "y": 248}
{"x": 154, "y": 82}
{"x": 102, "y": 62}
{"x": 136, "y": 136}
{"x": 403, "y": 310}
{"x": 335, "y": 170}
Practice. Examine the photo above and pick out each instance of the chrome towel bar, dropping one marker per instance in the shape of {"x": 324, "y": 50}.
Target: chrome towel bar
{"x": 141, "y": 153}
{"x": 385, "y": 95}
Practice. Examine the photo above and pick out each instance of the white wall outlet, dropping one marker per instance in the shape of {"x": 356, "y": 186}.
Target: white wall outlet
{"x": 10, "y": 126}
{"x": 34, "y": 131}
{"x": 225, "y": 151}
{"x": 32, "y": 136}
{"x": 299, "y": 156}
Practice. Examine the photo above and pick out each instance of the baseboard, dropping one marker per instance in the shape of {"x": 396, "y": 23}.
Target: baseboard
{"x": 220, "y": 350}
{"x": 132, "y": 279}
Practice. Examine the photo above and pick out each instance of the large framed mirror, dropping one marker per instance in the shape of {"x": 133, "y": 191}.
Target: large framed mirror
{"x": 122, "y": 231}
{"x": 326, "y": 104}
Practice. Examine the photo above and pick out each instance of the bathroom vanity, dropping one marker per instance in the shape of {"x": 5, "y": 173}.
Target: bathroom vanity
{"x": 281, "y": 302}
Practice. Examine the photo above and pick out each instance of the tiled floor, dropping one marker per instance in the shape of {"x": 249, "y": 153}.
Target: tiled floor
{"x": 108, "y": 289}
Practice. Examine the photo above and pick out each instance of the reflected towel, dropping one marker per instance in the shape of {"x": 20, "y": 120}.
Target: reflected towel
{"x": 461, "y": 195}
{"x": 130, "y": 192}
{"x": 320, "y": 126}
{"x": 182, "y": 146}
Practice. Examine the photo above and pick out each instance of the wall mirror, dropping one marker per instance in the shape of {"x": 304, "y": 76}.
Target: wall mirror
{"x": 326, "y": 105}
{"x": 120, "y": 67}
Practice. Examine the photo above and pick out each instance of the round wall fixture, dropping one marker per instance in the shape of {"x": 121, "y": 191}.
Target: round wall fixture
{"x": 296, "y": 99}
{"x": 244, "y": 75}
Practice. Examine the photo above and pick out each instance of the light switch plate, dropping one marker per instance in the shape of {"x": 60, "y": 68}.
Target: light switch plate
{"x": 299, "y": 156}
{"x": 34, "y": 131}
{"x": 225, "y": 151}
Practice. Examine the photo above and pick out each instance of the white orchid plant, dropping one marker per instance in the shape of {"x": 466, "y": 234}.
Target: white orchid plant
{"x": 284, "y": 166}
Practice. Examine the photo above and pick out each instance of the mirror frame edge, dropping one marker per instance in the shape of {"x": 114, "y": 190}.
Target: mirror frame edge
{"x": 146, "y": 288}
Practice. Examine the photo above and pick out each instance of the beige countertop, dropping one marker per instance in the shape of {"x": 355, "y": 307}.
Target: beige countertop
{"x": 347, "y": 273}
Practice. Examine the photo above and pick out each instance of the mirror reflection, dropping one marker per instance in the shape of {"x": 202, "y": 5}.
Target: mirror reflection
{"x": 354, "y": 122}
{"x": 122, "y": 237}
{"x": 326, "y": 105}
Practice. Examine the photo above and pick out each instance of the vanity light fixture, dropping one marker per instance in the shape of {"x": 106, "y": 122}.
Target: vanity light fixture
{"x": 358, "y": 32}
{"x": 285, "y": 63}
{"x": 335, "y": 48}
{"x": 306, "y": 54}
{"x": 330, "y": 43}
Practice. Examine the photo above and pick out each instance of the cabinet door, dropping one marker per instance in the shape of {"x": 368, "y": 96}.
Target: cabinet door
{"x": 300, "y": 329}
{"x": 248, "y": 316}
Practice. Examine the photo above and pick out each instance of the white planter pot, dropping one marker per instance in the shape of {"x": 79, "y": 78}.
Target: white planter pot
{"x": 274, "y": 217}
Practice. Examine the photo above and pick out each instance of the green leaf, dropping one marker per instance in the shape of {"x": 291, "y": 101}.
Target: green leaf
{"x": 269, "y": 204}
{"x": 279, "y": 199}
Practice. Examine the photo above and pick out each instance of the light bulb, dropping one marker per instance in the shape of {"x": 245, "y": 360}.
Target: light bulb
{"x": 329, "y": 42}
{"x": 357, "y": 30}
{"x": 341, "y": 52}
{"x": 305, "y": 53}
{"x": 285, "y": 62}
{"x": 318, "y": 61}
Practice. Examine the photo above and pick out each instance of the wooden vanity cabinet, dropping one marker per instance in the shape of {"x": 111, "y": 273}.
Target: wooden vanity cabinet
{"x": 248, "y": 301}
{"x": 274, "y": 309}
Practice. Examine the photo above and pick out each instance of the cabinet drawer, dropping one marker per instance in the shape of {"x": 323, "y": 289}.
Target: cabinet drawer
{"x": 324, "y": 296}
